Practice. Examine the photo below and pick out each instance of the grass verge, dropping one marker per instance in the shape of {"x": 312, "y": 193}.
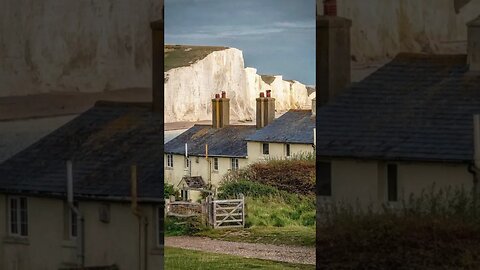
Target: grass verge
{"x": 291, "y": 235}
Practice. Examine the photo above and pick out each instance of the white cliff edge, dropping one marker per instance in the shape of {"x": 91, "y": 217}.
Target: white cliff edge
{"x": 189, "y": 89}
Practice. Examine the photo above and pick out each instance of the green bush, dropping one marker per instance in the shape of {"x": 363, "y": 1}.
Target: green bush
{"x": 169, "y": 190}
{"x": 182, "y": 226}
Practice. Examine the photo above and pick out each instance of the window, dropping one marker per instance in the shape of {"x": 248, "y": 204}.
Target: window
{"x": 392, "y": 174}
{"x": 234, "y": 162}
{"x": 73, "y": 224}
{"x": 265, "y": 149}
{"x": 187, "y": 163}
{"x": 215, "y": 164}
{"x": 287, "y": 150}
{"x": 184, "y": 194}
{"x": 170, "y": 161}
{"x": 18, "y": 216}
{"x": 160, "y": 226}
{"x": 324, "y": 184}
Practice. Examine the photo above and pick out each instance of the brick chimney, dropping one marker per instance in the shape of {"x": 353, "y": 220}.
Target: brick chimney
{"x": 314, "y": 106}
{"x": 333, "y": 53}
{"x": 157, "y": 66}
{"x": 220, "y": 110}
{"x": 473, "y": 44}
{"x": 265, "y": 109}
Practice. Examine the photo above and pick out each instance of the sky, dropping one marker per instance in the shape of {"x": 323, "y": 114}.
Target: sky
{"x": 277, "y": 37}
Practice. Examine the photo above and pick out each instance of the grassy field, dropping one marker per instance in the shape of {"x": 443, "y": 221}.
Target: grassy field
{"x": 181, "y": 259}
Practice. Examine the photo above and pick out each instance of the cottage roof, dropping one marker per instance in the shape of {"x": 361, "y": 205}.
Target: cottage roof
{"x": 102, "y": 143}
{"x": 228, "y": 141}
{"x": 194, "y": 182}
{"x": 417, "y": 107}
{"x": 294, "y": 126}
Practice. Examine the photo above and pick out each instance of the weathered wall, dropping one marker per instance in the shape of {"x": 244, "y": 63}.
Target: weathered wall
{"x": 175, "y": 174}
{"x": 366, "y": 180}
{"x": 382, "y": 28}
{"x": 106, "y": 244}
{"x": 87, "y": 46}
{"x": 276, "y": 151}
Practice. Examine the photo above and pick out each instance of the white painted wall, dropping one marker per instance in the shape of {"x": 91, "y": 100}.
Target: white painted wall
{"x": 366, "y": 180}
{"x": 48, "y": 247}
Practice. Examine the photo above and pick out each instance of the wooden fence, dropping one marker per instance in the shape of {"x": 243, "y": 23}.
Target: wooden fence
{"x": 216, "y": 213}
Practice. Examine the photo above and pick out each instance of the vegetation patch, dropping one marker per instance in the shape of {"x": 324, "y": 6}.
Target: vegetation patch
{"x": 436, "y": 230}
{"x": 268, "y": 79}
{"x": 185, "y": 55}
{"x": 180, "y": 259}
{"x": 295, "y": 176}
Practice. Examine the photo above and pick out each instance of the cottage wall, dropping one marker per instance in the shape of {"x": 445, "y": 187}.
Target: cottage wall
{"x": 277, "y": 150}
{"x": 105, "y": 244}
{"x": 199, "y": 168}
{"x": 366, "y": 181}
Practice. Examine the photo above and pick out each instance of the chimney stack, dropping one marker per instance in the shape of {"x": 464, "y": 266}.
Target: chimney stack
{"x": 314, "y": 106}
{"x": 473, "y": 44}
{"x": 220, "y": 111}
{"x": 157, "y": 66}
{"x": 265, "y": 109}
{"x": 333, "y": 53}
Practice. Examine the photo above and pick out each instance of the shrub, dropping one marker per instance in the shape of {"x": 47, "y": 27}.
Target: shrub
{"x": 169, "y": 190}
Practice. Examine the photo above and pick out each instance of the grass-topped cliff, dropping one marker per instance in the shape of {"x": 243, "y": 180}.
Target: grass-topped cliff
{"x": 185, "y": 55}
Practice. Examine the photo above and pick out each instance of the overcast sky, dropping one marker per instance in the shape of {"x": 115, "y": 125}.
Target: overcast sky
{"x": 276, "y": 36}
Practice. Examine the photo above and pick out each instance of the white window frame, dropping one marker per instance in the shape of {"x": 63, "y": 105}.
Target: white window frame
{"x": 234, "y": 164}
{"x": 169, "y": 161}
{"x": 215, "y": 164}
{"x": 18, "y": 213}
{"x": 186, "y": 163}
{"x": 184, "y": 194}
{"x": 72, "y": 222}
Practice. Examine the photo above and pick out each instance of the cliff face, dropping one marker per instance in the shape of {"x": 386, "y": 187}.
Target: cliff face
{"x": 383, "y": 28}
{"x": 70, "y": 45}
{"x": 190, "y": 88}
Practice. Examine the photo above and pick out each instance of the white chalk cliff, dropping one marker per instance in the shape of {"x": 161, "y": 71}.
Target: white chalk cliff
{"x": 189, "y": 89}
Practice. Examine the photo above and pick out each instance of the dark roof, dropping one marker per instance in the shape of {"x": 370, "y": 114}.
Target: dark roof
{"x": 227, "y": 141}
{"x": 294, "y": 126}
{"x": 194, "y": 181}
{"x": 103, "y": 142}
{"x": 417, "y": 107}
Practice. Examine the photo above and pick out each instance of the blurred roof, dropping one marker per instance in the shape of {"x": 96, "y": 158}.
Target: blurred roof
{"x": 416, "y": 107}
{"x": 102, "y": 143}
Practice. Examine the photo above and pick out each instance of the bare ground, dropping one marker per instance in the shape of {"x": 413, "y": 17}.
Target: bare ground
{"x": 281, "y": 253}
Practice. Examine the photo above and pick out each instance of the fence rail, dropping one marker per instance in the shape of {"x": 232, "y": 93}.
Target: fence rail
{"x": 216, "y": 213}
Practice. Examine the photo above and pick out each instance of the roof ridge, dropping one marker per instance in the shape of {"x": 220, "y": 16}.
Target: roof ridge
{"x": 110, "y": 103}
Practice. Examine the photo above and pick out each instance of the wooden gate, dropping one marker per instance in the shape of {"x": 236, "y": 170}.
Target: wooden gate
{"x": 227, "y": 213}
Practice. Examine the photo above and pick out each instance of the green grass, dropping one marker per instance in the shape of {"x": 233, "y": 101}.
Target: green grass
{"x": 185, "y": 55}
{"x": 277, "y": 212}
{"x": 291, "y": 235}
{"x": 180, "y": 259}
{"x": 268, "y": 79}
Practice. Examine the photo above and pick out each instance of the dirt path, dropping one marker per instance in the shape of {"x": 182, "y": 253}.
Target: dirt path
{"x": 290, "y": 254}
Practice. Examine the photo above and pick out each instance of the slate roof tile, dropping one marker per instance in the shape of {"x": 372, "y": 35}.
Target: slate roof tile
{"x": 102, "y": 143}
{"x": 417, "y": 107}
